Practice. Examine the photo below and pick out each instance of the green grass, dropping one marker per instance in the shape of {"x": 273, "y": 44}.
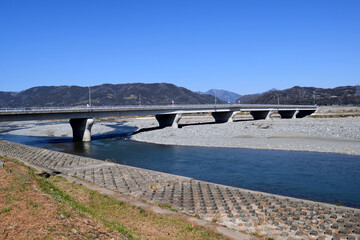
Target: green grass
{"x": 167, "y": 206}
{"x": 32, "y": 204}
{"x": 5, "y": 210}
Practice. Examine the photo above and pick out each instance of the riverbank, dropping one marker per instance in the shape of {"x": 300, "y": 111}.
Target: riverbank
{"x": 268, "y": 215}
{"x": 261, "y": 170}
{"x": 63, "y": 209}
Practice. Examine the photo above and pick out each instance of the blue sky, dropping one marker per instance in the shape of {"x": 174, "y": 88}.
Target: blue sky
{"x": 245, "y": 46}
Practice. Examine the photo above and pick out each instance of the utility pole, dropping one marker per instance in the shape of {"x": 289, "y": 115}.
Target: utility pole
{"x": 139, "y": 99}
{"x": 89, "y": 97}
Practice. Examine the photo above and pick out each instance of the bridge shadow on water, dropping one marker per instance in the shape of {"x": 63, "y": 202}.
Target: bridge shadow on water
{"x": 119, "y": 132}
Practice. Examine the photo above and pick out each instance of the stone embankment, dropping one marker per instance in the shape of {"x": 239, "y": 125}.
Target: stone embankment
{"x": 254, "y": 212}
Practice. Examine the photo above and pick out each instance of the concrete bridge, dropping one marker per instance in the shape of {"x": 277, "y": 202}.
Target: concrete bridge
{"x": 81, "y": 118}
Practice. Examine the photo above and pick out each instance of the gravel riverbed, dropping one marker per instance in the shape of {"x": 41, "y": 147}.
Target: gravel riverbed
{"x": 332, "y": 135}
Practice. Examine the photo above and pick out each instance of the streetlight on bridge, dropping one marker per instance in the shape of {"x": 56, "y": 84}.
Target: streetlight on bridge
{"x": 278, "y": 99}
{"x": 357, "y": 93}
{"x": 215, "y": 98}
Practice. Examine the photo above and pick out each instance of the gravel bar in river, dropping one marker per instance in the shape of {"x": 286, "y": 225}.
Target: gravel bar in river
{"x": 331, "y": 135}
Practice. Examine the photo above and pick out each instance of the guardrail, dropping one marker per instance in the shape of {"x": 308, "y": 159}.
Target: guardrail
{"x": 35, "y": 109}
{"x": 138, "y": 107}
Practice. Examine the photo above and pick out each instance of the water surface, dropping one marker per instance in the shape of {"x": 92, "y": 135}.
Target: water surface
{"x": 324, "y": 177}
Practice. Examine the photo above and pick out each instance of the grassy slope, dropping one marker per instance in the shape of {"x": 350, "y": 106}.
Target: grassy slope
{"x": 38, "y": 206}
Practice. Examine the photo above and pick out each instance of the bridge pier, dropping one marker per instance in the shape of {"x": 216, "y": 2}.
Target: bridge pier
{"x": 222, "y": 117}
{"x": 304, "y": 113}
{"x": 81, "y": 128}
{"x": 288, "y": 113}
{"x": 167, "y": 120}
{"x": 257, "y": 115}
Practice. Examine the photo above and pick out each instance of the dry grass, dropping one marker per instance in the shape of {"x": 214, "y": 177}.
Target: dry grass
{"x": 29, "y": 213}
{"x": 34, "y": 207}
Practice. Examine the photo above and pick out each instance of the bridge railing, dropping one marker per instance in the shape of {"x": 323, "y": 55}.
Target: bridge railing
{"x": 244, "y": 106}
{"x": 33, "y": 109}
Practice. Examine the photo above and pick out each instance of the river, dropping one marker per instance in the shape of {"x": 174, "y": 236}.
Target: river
{"x": 332, "y": 178}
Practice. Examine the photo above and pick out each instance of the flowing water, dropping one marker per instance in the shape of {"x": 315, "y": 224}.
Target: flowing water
{"x": 333, "y": 178}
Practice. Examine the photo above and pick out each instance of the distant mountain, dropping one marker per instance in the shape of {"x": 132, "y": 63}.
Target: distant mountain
{"x": 344, "y": 95}
{"x": 104, "y": 95}
{"x": 248, "y": 97}
{"x": 5, "y": 97}
{"x": 224, "y": 95}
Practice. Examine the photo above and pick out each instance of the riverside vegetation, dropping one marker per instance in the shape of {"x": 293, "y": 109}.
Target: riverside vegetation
{"x": 36, "y": 205}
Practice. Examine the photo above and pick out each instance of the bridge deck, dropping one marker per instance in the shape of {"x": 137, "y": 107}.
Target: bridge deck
{"x": 23, "y": 114}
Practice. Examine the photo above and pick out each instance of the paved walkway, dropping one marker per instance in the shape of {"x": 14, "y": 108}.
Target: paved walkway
{"x": 254, "y": 212}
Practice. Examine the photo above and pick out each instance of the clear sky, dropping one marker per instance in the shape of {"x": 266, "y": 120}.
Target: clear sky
{"x": 245, "y": 46}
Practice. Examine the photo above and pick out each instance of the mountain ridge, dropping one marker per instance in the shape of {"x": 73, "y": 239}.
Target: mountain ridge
{"x": 342, "y": 95}
{"x": 224, "y": 95}
{"x": 104, "y": 94}
{"x": 166, "y": 94}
